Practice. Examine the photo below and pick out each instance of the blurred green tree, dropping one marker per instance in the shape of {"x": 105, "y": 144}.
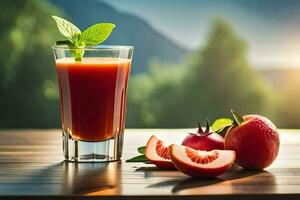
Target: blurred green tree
{"x": 214, "y": 80}
{"x": 28, "y": 94}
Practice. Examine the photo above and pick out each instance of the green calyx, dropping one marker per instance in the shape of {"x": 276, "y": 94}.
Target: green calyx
{"x": 200, "y": 131}
{"x": 77, "y": 40}
{"x": 238, "y": 119}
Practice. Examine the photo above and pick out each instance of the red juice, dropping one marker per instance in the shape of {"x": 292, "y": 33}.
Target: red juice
{"x": 93, "y": 96}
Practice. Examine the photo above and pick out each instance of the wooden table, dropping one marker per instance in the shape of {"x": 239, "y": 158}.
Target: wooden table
{"x": 31, "y": 167}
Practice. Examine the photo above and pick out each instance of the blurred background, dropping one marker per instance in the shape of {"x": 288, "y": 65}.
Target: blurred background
{"x": 193, "y": 59}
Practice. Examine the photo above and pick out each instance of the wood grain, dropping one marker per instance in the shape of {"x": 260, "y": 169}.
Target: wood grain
{"x": 32, "y": 167}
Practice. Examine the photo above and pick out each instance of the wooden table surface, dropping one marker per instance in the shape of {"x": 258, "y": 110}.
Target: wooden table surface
{"x": 32, "y": 167}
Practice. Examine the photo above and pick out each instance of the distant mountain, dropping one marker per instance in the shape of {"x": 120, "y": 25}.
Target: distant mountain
{"x": 130, "y": 30}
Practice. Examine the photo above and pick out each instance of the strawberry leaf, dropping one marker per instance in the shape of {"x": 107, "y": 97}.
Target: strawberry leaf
{"x": 141, "y": 149}
{"x": 140, "y": 158}
{"x": 220, "y": 124}
{"x": 238, "y": 119}
{"x": 223, "y": 131}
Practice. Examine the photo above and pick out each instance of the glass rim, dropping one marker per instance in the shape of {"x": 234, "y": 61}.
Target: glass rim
{"x": 98, "y": 47}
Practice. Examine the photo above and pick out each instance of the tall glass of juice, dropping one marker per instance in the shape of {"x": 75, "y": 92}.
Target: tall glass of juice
{"x": 93, "y": 101}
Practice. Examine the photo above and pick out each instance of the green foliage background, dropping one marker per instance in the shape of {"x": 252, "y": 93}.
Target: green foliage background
{"x": 28, "y": 96}
{"x": 210, "y": 82}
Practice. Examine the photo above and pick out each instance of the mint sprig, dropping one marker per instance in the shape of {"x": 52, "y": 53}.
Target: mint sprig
{"x": 77, "y": 40}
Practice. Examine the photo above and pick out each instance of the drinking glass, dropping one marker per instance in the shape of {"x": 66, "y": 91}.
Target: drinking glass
{"x": 93, "y": 100}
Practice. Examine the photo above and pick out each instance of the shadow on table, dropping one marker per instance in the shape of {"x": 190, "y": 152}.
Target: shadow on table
{"x": 234, "y": 177}
{"x": 79, "y": 178}
{"x": 148, "y": 171}
{"x": 153, "y": 169}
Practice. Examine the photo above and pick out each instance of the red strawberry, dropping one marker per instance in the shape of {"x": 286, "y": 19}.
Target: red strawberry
{"x": 255, "y": 140}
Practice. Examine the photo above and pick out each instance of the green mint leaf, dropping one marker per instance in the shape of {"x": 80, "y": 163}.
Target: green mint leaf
{"x": 238, "y": 119}
{"x": 220, "y": 124}
{"x": 66, "y": 28}
{"x": 96, "y": 34}
{"x": 63, "y": 42}
{"x": 141, "y": 150}
{"x": 140, "y": 158}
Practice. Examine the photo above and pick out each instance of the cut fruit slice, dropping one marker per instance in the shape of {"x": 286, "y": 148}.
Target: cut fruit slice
{"x": 201, "y": 163}
{"x": 158, "y": 153}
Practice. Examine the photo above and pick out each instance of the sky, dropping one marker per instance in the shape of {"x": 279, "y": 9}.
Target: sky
{"x": 269, "y": 26}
